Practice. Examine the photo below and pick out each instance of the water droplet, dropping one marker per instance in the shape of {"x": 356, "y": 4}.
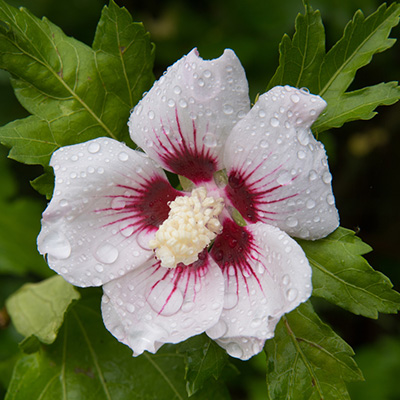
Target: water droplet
{"x": 165, "y": 298}
{"x": 295, "y": 98}
{"x": 207, "y": 73}
{"x": 303, "y": 137}
{"x": 228, "y": 109}
{"x": 126, "y": 228}
{"x": 330, "y": 199}
{"x": 93, "y": 147}
{"x": 99, "y": 267}
{"x": 106, "y": 253}
{"x": 177, "y": 90}
{"x": 261, "y": 113}
{"x": 183, "y": 103}
{"x": 118, "y": 203}
{"x": 188, "y": 306}
{"x": 130, "y": 308}
{"x": 274, "y": 122}
{"x": 187, "y": 323}
{"x": 264, "y": 144}
{"x": 291, "y": 222}
{"x": 210, "y": 140}
{"x": 171, "y": 103}
{"x": 312, "y": 176}
{"x": 234, "y": 350}
{"x": 63, "y": 203}
{"x": 256, "y": 323}
{"x": 327, "y": 177}
{"x": 218, "y": 330}
{"x": 310, "y": 204}
{"x": 285, "y": 280}
{"x": 100, "y": 170}
{"x": 151, "y": 114}
{"x": 138, "y": 109}
{"x": 292, "y": 294}
{"x": 284, "y": 178}
{"x": 123, "y": 156}
{"x": 301, "y": 155}
{"x": 56, "y": 245}
{"x": 230, "y": 300}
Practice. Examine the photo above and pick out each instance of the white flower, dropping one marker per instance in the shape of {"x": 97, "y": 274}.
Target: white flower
{"x": 174, "y": 264}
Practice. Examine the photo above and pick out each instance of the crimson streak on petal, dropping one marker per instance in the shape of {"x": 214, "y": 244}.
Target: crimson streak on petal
{"x": 184, "y": 156}
{"x": 236, "y": 252}
{"x": 143, "y": 207}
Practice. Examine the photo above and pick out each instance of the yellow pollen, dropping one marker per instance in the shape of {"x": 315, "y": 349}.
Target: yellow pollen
{"x": 191, "y": 225}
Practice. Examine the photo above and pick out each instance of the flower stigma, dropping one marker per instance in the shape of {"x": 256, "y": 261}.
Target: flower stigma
{"x": 191, "y": 225}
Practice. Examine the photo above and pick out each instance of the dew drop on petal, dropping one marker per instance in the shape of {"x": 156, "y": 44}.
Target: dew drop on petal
{"x": 327, "y": 177}
{"x": 118, "y": 203}
{"x": 310, "y": 204}
{"x": 177, "y": 90}
{"x": 256, "y": 323}
{"x": 301, "y": 155}
{"x": 207, "y": 73}
{"x": 274, "y": 122}
{"x": 56, "y": 245}
{"x": 230, "y": 300}
{"x": 285, "y": 279}
{"x": 292, "y": 294}
{"x": 264, "y": 144}
{"x": 330, "y": 199}
{"x": 123, "y": 156}
{"x": 165, "y": 298}
{"x": 303, "y": 137}
{"x": 261, "y": 114}
{"x": 188, "y": 306}
{"x": 151, "y": 114}
{"x": 227, "y": 109}
{"x": 295, "y": 98}
{"x": 106, "y": 253}
{"x": 63, "y": 203}
{"x": 210, "y": 140}
{"x": 93, "y": 147}
{"x": 130, "y": 307}
{"x": 218, "y": 330}
{"x": 284, "y": 178}
{"x": 234, "y": 350}
{"x": 291, "y": 222}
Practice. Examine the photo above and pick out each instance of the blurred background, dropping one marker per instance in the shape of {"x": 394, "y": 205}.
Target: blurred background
{"x": 364, "y": 156}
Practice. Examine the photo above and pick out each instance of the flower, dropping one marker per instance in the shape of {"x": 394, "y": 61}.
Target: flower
{"x": 216, "y": 257}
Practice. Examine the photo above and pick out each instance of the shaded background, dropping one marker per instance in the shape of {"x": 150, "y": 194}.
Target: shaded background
{"x": 363, "y": 156}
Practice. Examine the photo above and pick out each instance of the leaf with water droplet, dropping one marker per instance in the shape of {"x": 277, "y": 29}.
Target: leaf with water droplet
{"x": 307, "y": 360}
{"x": 37, "y": 309}
{"x": 343, "y": 277}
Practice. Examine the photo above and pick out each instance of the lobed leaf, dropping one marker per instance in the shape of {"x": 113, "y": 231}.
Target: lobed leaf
{"x": 343, "y": 277}
{"x": 300, "y": 58}
{"x": 74, "y": 93}
{"x": 86, "y": 362}
{"x": 306, "y": 360}
{"x": 204, "y": 360}
{"x": 303, "y": 63}
{"x": 37, "y": 309}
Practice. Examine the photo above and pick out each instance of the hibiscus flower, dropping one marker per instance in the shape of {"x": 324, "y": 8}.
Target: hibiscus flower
{"x": 217, "y": 256}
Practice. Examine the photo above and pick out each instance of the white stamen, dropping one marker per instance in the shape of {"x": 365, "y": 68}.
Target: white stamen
{"x": 191, "y": 225}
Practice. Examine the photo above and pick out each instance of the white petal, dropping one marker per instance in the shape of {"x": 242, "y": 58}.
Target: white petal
{"x": 268, "y": 277}
{"x": 108, "y": 201}
{"x": 153, "y": 305}
{"x": 183, "y": 121}
{"x": 278, "y": 173}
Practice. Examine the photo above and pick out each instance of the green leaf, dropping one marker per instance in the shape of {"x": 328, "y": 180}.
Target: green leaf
{"x": 303, "y": 63}
{"x": 204, "y": 360}
{"x": 8, "y": 183}
{"x": 356, "y": 105}
{"x": 44, "y": 183}
{"x": 37, "y": 309}
{"x": 74, "y": 93}
{"x": 306, "y": 360}
{"x": 301, "y": 57}
{"x": 343, "y": 277}
{"x": 86, "y": 362}
{"x": 19, "y": 227}
{"x": 362, "y": 38}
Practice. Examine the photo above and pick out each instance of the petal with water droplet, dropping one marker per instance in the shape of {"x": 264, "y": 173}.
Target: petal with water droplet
{"x": 289, "y": 174}
{"x": 91, "y": 227}
{"x": 160, "y": 303}
{"x": 186, "y": 116}
{"x": 262, "y": 295}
